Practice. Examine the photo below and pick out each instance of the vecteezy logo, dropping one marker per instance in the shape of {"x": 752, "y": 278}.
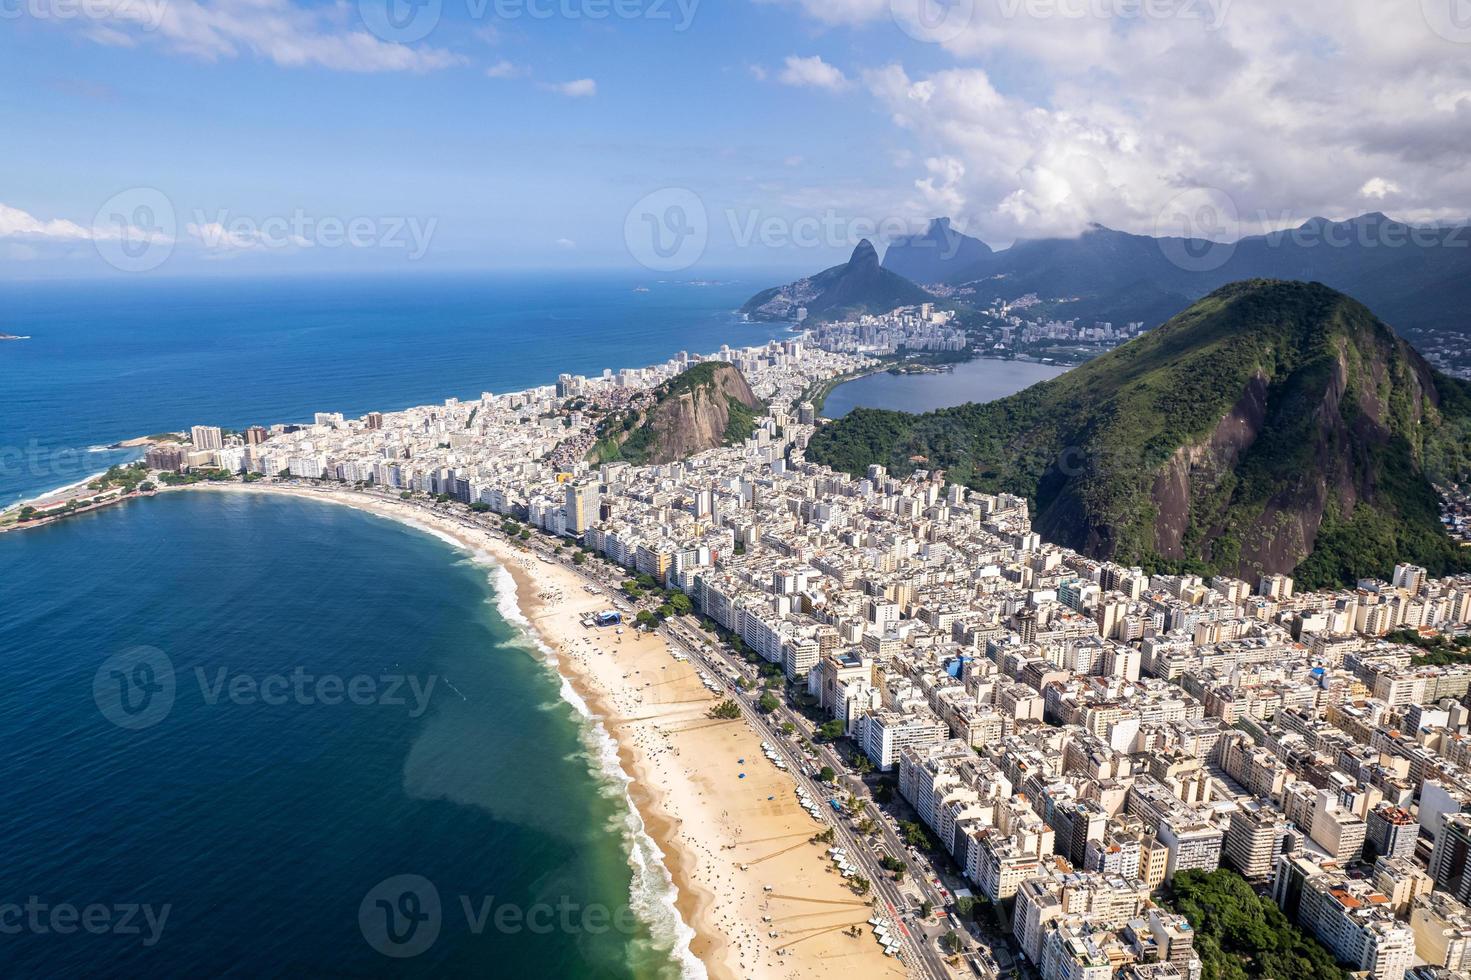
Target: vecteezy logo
{"x": 1451, "y": 19}
{"x": 135, "y": 689}
{"x": 400, "y": 21}
{"x": 1198, "y": 229}
{"x": 667, "y": 231}
{"x": 400, "y": 916}
{"x": 933, "y": 21}
{"x": 134, "y": 230}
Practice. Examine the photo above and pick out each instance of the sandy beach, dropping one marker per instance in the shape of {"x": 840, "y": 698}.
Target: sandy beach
{"x": 724, "y": 838}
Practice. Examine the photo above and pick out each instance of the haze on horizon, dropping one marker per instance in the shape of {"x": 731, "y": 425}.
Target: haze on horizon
{"x": 255, "y": 137}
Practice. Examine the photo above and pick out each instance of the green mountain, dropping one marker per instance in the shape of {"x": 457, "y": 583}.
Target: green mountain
{"x": 859, "y": 286}
{"x": 706, "y": 407}
{"x": 1272, "y": 427}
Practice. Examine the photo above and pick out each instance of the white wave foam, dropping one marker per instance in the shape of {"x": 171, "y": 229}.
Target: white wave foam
{"x": 652, "y": 893}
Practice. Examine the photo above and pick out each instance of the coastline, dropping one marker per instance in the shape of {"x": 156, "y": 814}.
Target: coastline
{"x": 704, "y": 841}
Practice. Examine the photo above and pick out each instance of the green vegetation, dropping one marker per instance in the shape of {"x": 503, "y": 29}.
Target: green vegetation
{"x": 195, "y": 476}
{"x": 767, "y": 704}
{"x": 826, "y": 775}
{"x": 726, "y": 710}
{"x": 918, "y": 836}
{"x": 639, "y": 437}
{"x": 1439, "y": 649}
{"x": 1241, "y": 936}
{"x": 1355, "y": 430}
{"x": 831, "y": 731}
{"x": 126, "y": 478}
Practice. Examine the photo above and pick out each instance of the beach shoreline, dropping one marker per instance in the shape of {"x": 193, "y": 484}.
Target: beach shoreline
{"x": 721, "y": 828}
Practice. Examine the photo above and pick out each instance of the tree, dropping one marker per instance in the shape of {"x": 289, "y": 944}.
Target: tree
{"x": 951, "y": 942}
{"x": 681, "y": 604}
{"x": 787, "y": 728}
{"x": 767, "y": 704}
{"x": 579, "y": 559}
{"x": 406, "y": 495}
{"x": 726, "y": 710}
{"x": 863, "y": 765}
{"x": 830, "y": 731}
{"x": 926, "y": 909}
{"x": 826, "y": 775}
{"x": 1240, "y": 936}
{"x": 861, "y": 885}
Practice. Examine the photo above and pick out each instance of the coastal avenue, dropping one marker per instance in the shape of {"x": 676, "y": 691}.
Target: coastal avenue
{"x": 920, "y": 957}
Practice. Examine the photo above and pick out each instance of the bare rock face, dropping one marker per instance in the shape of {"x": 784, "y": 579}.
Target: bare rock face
{"x": 1272, "y": 427}
{"x": 706, "y": 407}
{"x": 697, "y": 419}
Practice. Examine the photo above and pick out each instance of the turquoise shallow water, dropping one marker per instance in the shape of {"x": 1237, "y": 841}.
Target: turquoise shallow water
{"x": 267, "y": 820}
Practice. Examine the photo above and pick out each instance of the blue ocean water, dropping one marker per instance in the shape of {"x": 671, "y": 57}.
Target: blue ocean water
{"x": 291, "y": 836}
{"x": 113, "y": 360}
{"x": 257, "y": 823}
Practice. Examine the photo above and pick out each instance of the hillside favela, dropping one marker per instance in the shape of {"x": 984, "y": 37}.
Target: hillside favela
{"x": 1045, "y": 557}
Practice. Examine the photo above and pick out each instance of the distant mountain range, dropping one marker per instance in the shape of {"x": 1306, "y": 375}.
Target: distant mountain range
{"x": 1271, "y": 427}
{"x": 861, "y": 285}
{"x": 1416, "y": 278}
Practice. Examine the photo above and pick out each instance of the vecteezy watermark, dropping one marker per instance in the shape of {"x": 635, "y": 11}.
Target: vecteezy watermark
{"x": 222, "y": 231}
{"x": 407, "y": 21}
{"x": 1210, "y": 13}
{"x": 933, "y": 21}
{"x": 403, "y": 916}
{"x": 1198, "y": 229}
{"x": 146, "y": 14}
{"x": 134, "y": 230}
{"x": 129, "y": 919}
{"x": 138, "y": 687}
{"x": 37, "y": 461}
{"x": 1451, "y": 19}
{"x": 668, "y": 230}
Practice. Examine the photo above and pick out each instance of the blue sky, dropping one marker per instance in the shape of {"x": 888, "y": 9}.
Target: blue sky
{"x": 245, "y": 136}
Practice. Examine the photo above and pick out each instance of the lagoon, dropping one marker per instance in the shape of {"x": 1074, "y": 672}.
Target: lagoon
{"x": 980, "y": 380}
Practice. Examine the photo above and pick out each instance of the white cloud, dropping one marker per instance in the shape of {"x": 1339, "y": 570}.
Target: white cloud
{"x": 1053, "y": 115}
{"x": 505, "y": 69}
{"x": 22, "y": 226}
{"x": 758, "y": 72}
{"x": 566, "y": 243}
{"x": 243, "y": 237}
{"x": 813, "y": 72}
{"x": 330, "y": 36}
{"x": 580, "y": 88}
{"x": 15, "y": 223}
{"x": 1378, "y": 188}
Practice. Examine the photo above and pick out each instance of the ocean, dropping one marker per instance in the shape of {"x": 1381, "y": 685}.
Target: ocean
{"x": 113, "y": 360}
{"x": 261, "y": 818}
{"x": 262, "y": 823}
